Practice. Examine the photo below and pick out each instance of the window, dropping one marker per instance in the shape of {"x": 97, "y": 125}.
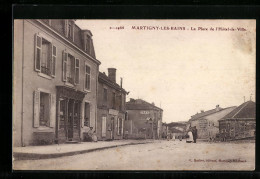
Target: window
{"x": 120, "y": 102}
{"x": 87, "y": 44}
{"x": 104, "y": 125}
{"x": 44, "y": 109}
{"x": 45, "y": 56}
{"x": 87, "y": 114}
{"x": 70, "y": 68}
{"x": 77, "y": 71}
{"x": 44, "y": 106}
{"x": 114, "y": 100}
{"x": 119, "y": 126}
{"x": 104, "y": 94}
{"x": 69, "y": 29}
{"x": 87, "y": 77}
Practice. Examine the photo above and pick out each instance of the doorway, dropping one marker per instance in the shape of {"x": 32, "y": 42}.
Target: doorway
{"x": 69, "y": 123}
{"x": 112, "y": 128}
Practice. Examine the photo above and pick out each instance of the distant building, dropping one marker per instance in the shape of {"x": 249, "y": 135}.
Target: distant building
{"x": 178, "y": 129}
{"x": 111, "y": 107}
{"x": 144, "y": 119}
{"x": 240, "y": 123}
{"x": 164, "y": 130}
{"x": 207, "y": 123}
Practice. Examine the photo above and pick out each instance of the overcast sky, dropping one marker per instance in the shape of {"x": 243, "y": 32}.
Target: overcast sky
{"x": 183, "y": 71}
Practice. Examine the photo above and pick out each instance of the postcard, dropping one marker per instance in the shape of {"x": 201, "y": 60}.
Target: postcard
{"x": 139, "y": 94}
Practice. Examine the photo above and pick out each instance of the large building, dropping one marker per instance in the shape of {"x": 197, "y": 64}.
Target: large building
{"x": 111, "y": 107}
{"x": 144, "y": 120}
{"x": 240, "y": 123}
{"x": 54, "y": 82}
{"x": 207, "y": 123}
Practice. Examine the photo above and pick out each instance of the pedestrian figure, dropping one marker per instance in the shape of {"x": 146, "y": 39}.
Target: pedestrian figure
{"x": 180, "y": 138}
{"x": 89, "y": 136}
{"x": 194, "y": 133}
{"x": 189, "y": 138}
{"x": 173, "y": 137}
{"x": 94, "y": 137}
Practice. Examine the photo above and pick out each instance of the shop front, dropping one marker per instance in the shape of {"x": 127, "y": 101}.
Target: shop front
{"x": 68, "y": 119}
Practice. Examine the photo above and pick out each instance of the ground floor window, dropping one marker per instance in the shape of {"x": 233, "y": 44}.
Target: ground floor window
{"x": 87, "y": 114}
{"x": 44, "y": 109}
{"x": 120, "y": 126}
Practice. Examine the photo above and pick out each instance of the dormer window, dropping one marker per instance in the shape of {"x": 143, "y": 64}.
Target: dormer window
{"x": 87, "y": 44}
{"x": 69, "y": 29}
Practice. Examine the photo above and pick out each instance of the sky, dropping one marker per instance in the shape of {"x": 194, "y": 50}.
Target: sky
{"x": 181, "y": 71}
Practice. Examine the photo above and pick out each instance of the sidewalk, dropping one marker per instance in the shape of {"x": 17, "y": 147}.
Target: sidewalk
{"x": 60, "y": 150}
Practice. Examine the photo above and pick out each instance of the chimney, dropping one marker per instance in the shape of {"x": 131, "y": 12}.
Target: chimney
{"x": 202, "y": 111}
{"x": 121, "y": 82}
{"x": 112, "y": 74}
{"x": 153, "y": 103}
{"x": 217, "y": 108}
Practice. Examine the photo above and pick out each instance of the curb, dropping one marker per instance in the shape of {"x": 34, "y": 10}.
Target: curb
{"x": 35, "y": 156}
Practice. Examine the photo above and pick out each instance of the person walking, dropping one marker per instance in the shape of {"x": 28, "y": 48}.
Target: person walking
{"x": 194, "y": 133}
{"x": 189, "y": 138}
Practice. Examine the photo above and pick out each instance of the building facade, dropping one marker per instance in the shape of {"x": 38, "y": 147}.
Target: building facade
{"x": 144, "y": 120}
{"x": 111, "y": 107}
{"x": 54, "y": 82}
{"x": 239, "y": 123}
{"x": 206, "y": 122}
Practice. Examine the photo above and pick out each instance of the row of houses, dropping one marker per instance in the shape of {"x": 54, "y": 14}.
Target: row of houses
{"x": 59, "y": 94}
{"x": 231, "y": 123}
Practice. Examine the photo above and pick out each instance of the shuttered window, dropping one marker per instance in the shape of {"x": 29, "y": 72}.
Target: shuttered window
{"x": 45, "y": 56}
{"x": 87, "y": 77}
{"x": 77, "y": 71}
{"x": 53, "y": 63}
{"x": 64, "y": 66}
{"x": 44, "y": 113}
{"x": 70, "y": 68}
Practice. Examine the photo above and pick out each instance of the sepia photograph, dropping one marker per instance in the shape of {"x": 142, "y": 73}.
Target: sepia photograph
{"x": 108, "y": 94}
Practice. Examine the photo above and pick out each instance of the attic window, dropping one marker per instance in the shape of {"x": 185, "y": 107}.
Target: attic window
{"x": 69, "y": 29}
{"x": 87, "y": 44}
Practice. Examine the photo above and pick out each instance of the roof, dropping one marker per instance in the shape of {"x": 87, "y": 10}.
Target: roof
{"x": 245, "y": 110}
{"x": 102, "y": 77}
{"x": 59, "y": 26}
{"x": 140, "y": 104}
{"x": 223, "y": 111}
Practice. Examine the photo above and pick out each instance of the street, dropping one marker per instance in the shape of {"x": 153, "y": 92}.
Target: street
{"x": 160, "y": 155}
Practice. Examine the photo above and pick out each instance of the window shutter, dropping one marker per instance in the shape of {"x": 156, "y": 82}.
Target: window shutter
{"x": 73, "y": 73}
{"x": 122, "y": 129}
{"x": 82, "y": 114}
{"x": 77, "y": 65}
{"x": 52, "y": 110}
{"x": 36, "y": 109}
{"x": 117, "y": 126}
{"x": 37, "y": 53}
{"x": 64, "y": 66}
{"x": 53, "y": 62}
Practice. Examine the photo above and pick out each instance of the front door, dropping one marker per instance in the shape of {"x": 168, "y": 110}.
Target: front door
{"x": 70, "y": 120}
{"x": 112, "y": 128}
